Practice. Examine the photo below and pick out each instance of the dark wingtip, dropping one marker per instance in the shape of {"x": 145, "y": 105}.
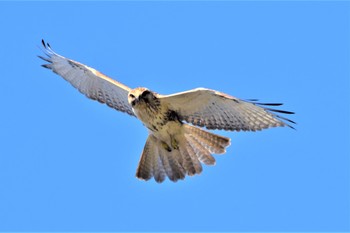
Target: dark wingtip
{"x": 46, "y": 45}
{"x": 280, "y": 111}
{"x": 269, "y": 104}
{"x": 291, "y": 127}
{"x": 44, "y": 58}
{"x": 254, "y": 101}
{"x": 289, "y": 120}
{"x": 286, "y": 119}
{"x": 47, "y": 66}
{"x": 43, "y": 43}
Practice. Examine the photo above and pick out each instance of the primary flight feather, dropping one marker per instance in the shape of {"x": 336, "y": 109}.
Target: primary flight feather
{"x": 173, "y": 148}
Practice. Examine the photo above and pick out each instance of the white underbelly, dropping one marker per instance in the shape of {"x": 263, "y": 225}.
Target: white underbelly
{"x": 168, "y": 132}
{"x": 165, "y": 131}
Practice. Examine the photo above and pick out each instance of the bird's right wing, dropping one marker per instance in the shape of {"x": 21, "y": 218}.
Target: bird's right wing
{"x": 215, "y": 110}
{"x": 89, "y": 81}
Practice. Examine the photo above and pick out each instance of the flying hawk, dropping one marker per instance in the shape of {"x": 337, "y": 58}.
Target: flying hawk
{"x": 173, "y": 148}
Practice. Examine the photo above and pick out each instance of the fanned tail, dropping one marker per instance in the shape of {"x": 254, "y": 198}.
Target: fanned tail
{"x": 158, "y": 162}
{"x": 212, "y": 142}
{"x": 194, "y": 146}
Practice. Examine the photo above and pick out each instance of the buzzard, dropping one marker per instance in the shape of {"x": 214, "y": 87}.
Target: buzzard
{"x": 173, "y": 148}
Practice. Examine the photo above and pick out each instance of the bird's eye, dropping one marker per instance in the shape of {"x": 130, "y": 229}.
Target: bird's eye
{"x": 132, "y": 96}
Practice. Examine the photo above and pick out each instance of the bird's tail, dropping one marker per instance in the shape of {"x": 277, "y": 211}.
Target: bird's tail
{"x": 159, "y": 160}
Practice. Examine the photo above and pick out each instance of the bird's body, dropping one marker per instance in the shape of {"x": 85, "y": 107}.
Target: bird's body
{"x": 176, "y": 146}
{"x": 162, "y": 122}
{"x": 173, "y": 148}
{"x": 147, "y": 107}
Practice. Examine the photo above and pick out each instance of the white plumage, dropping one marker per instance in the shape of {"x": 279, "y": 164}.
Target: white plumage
{"x": 173, "y": 148}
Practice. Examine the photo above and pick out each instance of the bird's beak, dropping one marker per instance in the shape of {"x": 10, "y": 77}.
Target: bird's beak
{"x": 139, "y": 98}
{"x": 133, "y": 102}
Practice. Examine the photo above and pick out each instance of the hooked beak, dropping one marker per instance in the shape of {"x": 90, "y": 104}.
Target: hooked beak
{"x": 133, "y": 103}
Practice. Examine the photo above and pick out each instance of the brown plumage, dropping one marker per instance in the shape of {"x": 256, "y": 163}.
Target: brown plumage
{"x": 195, "y": 147}
{"x": 173, "y": 148}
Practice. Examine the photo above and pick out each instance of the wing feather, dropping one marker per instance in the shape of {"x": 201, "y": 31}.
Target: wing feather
{"x": 216, "y": 110}
{"x": 89, "y": 81}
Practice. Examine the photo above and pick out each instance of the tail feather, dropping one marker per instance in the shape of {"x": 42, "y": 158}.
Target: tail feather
{"x": 158, "y": 169}
{"x": 194, "y": 146}
{"x": 175, "y": 162}
{"x": 145, "y": 168}
{"x": 214, "y": 143}
{"x": 187, "y": 161}
{"x": 202, "y": 153}
{"x": 171, "y": 165}
{"x": 165, "y": 162}
{"x": 150, "y": 163}
{"x": 194, "y": 158}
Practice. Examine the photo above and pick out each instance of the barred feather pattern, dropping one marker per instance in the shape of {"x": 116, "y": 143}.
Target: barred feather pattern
{"x": 195, "y": 147}
{"x": 244, "y": 117}
{"x": 184, "y": 147}
{"x": 216, "y": 110}
{"x": 147, "y": 164}
{"x": 212, "y": 142}
{"x": 90, "y": 82}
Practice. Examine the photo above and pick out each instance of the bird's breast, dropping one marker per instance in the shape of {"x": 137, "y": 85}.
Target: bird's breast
{"x": 156, "y": 119}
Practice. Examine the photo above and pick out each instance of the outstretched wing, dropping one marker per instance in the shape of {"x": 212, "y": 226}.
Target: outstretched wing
{"x": 216, "y": 110}
{"x": 89, "y": 81}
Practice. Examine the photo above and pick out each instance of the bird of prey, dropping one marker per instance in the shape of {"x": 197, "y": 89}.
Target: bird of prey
{"x": 173, "y": 148}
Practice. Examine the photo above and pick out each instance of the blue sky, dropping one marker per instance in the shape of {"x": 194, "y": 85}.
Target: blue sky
{"x": 68, "y": 163}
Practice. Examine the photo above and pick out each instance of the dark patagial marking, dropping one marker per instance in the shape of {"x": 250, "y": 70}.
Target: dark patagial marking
{"x": 172, "y": 116}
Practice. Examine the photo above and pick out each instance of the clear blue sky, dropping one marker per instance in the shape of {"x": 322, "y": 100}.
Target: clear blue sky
{"x": 68, "y": 163}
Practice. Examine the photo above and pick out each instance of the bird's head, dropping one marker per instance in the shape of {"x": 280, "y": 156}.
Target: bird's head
{"x": 140, "y": 95}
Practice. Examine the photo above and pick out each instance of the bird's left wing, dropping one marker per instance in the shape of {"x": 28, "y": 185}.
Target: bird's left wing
{"x": 89, "y": 81}
{"x": 215, "y": 110}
